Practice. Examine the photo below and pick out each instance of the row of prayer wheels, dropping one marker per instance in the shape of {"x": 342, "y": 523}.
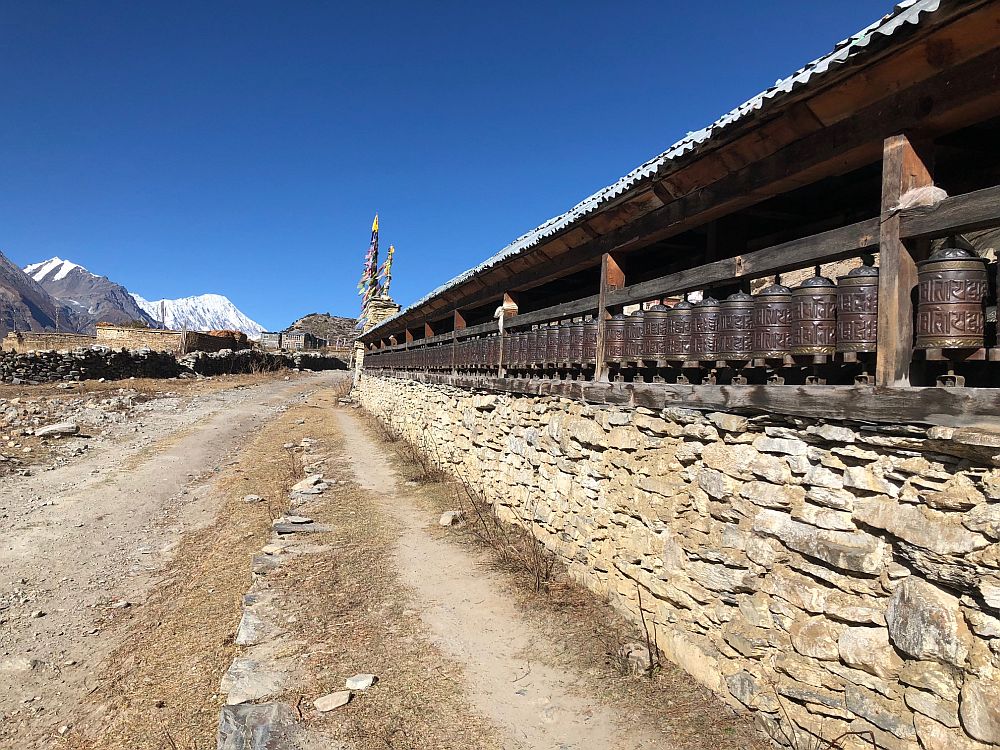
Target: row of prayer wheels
{"x": 816, "y": 320}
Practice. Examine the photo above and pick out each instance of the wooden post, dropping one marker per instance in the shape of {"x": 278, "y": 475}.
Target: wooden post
{"x": 905, "y": 165}
{"x": 459, "y": 324}
{"x": 408, "y": 336}
{"x": 428, "y": 330}
{"x": 612, "y": 277}
{"x": 509, "y": 311}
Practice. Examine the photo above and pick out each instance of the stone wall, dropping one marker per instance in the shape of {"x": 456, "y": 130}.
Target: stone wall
{"x": 845, "y": 576}
{"x": 99, "y": 362}
{"x": 28, "y": 341}
{"x": 122, "y": 337}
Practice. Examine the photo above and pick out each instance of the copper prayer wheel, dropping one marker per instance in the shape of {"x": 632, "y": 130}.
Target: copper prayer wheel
{"x": 494, "y": 350}
{"x": 542, "y": 345}
{"x": 589, "y": 348}
{"x": 531, "y": 358}
{"x": 516, "y": 348}
{"x": 576, "y": 342}
{"x": 654, "y": 337}
{"x": 614, "y": 334}
{"x": 857, "y": 310}
{"x": 679, "y": 331}
{"x": 814, "y": 317}
{"x": 772, "y": 322}
{"x": 705, "y": 329}
{"x": 552, "y": 345}
{"x": 564, "y": 342}
{"x": 635, "y": 328}
{"x": 735, "y": 325}
{"x": 952, "y": 287}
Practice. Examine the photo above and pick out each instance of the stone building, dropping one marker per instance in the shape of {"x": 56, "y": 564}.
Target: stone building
{"x": 804, "y": 493}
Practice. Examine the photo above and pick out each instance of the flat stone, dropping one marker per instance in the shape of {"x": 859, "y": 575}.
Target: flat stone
{"x": 985, "y": 519}
{"x": 60, "y": 428}
{"x": 980, "y": 710}
{"x": 252, "y": 499}
{"x": 728, "y": 422}
{"x": 249, "y": 680}
{"x": 959, "y": 494}
{"x": 18, "y": 664}
{"x": 863, "y": 479}
{"x": 943, "y": 680}
{"x": 931, "y": 705}
{"x": 786, "y": 446}
{"x": 833, "y": 433}
{"x": 883, "y": 713}
{"x": 924, "y": 528}
{"x": 307, "y": 483}
{"x": 452, "y": 518}
{"x": 935, "y": 736}
{"x": 869, "y": 650}
{"x": 855, "y": 551}
{"x": 296, "y": 528}
{"x": 332, "y": 700}
{"x": 360, "y": 682}
{"x": 816, "y": 637}
{"x": 926, "y": 623}
{"x": 255, "y": 727}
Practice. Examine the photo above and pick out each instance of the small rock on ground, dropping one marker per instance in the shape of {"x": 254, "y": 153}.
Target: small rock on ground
{"x": 332, "y": 701}
{"x": 360, "y": 682}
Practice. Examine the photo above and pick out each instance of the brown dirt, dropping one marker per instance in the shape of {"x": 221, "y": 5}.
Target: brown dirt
{"x": 577, "y": 633}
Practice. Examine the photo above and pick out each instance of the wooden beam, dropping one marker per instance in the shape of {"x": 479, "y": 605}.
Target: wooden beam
{"x": 904, "y": 168}
{"x": 972, "y": 408}
{"x": 509, "y": 305}
{"x": 612, "y": 278}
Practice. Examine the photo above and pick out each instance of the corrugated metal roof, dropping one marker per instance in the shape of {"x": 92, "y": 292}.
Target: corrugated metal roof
{"x": 906, "y": 13}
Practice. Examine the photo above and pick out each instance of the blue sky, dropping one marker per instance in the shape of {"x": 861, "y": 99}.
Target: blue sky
{"x": 243, "y": 147}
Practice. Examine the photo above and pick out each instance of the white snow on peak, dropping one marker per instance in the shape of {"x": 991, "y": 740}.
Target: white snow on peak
{"x": 203, "y": 312}
{"x": 39, "y": 271}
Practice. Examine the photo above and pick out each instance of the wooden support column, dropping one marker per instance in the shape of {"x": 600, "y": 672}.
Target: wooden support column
{"x": 509, "y": 311}
{"x": 906, "y": 165}
{"x": 409, "y": 336}
{"x": 612, "y": 277}
{"x": 459, "y": 324}
{"x": 428, "y": 330}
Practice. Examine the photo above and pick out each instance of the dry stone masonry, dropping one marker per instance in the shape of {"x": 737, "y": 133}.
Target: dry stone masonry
{"x": 99, "y": 362}
{"x": 845, "y": 576}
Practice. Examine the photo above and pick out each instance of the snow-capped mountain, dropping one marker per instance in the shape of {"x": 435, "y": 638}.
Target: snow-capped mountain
{"x": 26, "y": 306}
{"x": 203, "y": 312}
{"x": 95, "y": 298}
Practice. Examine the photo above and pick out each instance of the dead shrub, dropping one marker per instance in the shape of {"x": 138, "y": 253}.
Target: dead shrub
{"x": 514, "y": 547}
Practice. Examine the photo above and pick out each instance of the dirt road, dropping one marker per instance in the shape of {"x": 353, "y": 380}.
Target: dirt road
{"x": 124, "y": 598}
{"x": 83, "y": 543}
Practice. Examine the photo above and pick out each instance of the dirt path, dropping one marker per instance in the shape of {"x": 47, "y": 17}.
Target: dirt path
{"x": 81, "y": 541}
{"x": 474, "y": 621}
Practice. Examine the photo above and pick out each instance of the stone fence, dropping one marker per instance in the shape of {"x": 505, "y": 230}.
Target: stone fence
{"x": 843, "y": 577}
{"x": 99, "y": 362}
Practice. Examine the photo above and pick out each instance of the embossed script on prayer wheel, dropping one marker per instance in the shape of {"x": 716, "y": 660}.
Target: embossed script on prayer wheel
{"x": 772, "y": 322}
{"x": 814, "y": 317}
{"x": 517, "y": 348}
{"x": 590, "y": 342}
{"x": 952, "y": 288}
{"x": 614, "y": 333}
{"x": 564, "y": 342}
{"x": 635, "y": 327}
{"x": 735, "y": 325}
{"x": 705, "y": 329}
{"x": 679, "y": 331}
{"x": 532, "y": 347}
{"x": 576, "y": 342}
{"x": 857, "y": 310}
{"x": 541, "y": 345}
{"x": 654, "y": 337}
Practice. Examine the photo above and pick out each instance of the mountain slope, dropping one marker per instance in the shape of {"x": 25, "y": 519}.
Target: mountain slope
{"x": 26, "y": 306}
{"x": 338, "y": 331}
{"x": 204, "y": 312}
{"x": 94, "y": 297}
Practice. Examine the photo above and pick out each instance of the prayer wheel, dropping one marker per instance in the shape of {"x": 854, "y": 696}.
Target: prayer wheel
{"x": 814, "y": 316}
{"x": 516, "y": 348}
{"x": 614, "y": 335}
{"x": 542, "y": 345}
{"x": 772, "y": 322}
{"x": 735, "y": 326}
{"x": 589, "y": 348}
{"x": 564, "y": 342}
{"x": 952, "y": 288}
{"x": 654, "y": 337}
{"x": 531, "y": 357}
{"x": 705, "y": 329}
{"x": 552, "y": 345}
{"x": 635, "y": 328}
{"x": 576, "y": 342}
{"x": 679, "y": 331}
{"x": 857, "y": 310}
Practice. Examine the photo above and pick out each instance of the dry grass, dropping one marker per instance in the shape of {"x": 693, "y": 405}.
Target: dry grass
{"x": 158, "y": 689}
{"x": 595, "y": 637}
{"x": 148, "y": 386}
